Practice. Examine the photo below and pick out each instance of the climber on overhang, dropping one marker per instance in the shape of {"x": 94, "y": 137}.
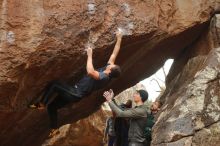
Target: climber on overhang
{"x": 65, "y": 94}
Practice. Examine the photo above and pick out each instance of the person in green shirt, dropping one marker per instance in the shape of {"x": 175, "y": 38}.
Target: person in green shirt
{"x": 137, "y": 116}
{"x": 155, "y": 107}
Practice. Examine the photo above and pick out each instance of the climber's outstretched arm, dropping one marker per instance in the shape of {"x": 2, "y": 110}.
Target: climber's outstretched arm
{"x": 89, "y": 67}
{"x": 116, "y": 49}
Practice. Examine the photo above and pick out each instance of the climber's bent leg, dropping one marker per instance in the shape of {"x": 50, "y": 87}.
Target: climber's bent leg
{"x": 59, "y": 102}
{"x": 55, "y": 88}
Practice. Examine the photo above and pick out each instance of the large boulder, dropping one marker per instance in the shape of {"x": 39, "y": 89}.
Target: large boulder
{"x": 85, "y": 132}
{"x": 42, "y": 41}
{"x": 190, "y": 114}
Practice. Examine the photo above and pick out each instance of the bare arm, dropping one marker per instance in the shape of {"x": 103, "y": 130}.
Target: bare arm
{"x": 89, "y": 66}
{"x": 116, "y": 49}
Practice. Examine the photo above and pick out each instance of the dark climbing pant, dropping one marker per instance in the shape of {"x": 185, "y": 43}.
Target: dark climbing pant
{"x": 121, "y": 130}
{"x": 59, "y": 89}
{"x": 111, "y": 140}
{"x": 56, "y": 104}
{"x": 64, "y": 95}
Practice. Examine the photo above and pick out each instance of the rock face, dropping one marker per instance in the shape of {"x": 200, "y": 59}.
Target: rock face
{"x": 85, "y": 132}
{"x": 42, "y": 41}
{"x": 190, "y": 114}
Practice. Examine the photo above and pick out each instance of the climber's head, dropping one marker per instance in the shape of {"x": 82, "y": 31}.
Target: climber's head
{"x": 113, "y": 70}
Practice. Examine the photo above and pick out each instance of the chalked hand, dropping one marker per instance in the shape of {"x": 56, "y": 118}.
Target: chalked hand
{"x": 119, "y": 33}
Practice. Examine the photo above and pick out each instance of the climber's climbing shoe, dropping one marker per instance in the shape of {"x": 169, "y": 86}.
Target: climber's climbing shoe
{"x": 32, "y": 106}
{"x": 39, "y": 106}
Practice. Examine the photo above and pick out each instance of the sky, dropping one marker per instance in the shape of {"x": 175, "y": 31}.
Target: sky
{"x": 151, "y": 85}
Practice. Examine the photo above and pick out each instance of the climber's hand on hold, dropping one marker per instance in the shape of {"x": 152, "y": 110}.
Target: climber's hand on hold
{"x": 89, "y": 51}
{"x": 119, "y": 33}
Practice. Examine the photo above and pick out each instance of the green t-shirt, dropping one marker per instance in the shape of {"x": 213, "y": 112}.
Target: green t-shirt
{"x": 149, "y": 125}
